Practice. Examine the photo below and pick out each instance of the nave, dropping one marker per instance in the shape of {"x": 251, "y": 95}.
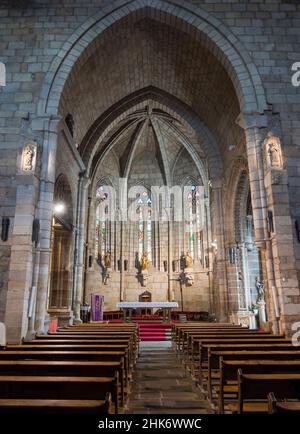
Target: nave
{"x": 161, "y": 385}
{"x": 103, "y": 368}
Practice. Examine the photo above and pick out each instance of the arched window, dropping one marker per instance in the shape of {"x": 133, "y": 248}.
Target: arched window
{"x": 144, "y": 224}
{"x": 194, "y": 232}
{"x": 103, "y": 224}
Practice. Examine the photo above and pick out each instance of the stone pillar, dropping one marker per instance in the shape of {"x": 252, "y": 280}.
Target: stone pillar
{"x": 21, "y": 262}
{"x": 49, "y": 126}
{"x": 220, "y": 256}
{"x": 80, "y": 247}
{"x": 169, "y": 213}
{"x": 269, "y": 194}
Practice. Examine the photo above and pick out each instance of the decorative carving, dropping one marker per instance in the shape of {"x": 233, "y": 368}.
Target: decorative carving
{"x": 144, "y": 261}
{"x": 273, "y": 152}
{"x": 105, "y": 264}
{"x": 188, "y": 260}
{"x": 189, "y": 277}
{"x": 144, "y": 277}
{"x": 107, "y": 259}
{"x": 29, "y": 157}
{"x": 260, "y": 288}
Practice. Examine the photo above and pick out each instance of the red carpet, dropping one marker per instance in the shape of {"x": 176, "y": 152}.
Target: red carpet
{"x": 154, "y": 331}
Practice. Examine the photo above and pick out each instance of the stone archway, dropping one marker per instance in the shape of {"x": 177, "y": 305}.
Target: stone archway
{"x": 61, "y": 264}
{"x": 225, "y": 45}
{"x": 216, "y": 39}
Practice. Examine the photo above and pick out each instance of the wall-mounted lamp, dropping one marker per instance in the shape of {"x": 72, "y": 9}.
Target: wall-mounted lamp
{"x": 270, "y": 222}
{"x": 297, "y": 227}
{"x": 5, "y": 228}
{"x": 59, "y": 208}
{"x": 35, "y": 231}
{"x": 232, "y": 255}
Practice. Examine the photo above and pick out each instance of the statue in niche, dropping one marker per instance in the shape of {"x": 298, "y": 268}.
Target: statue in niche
{"x": 260, "y": 288}
{"x": 105, "y": 264}
{"x": 144, "y": 261}
{"x": 28, "y": 158}
{"x": 188, "y": 260}
{"x": 107, "y": 259}
{"x": 187, "y": 276}
{"x": 273, "y": 151}
{"x": 274, "y": 155}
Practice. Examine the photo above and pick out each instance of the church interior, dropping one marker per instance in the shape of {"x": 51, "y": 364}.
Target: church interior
{"x": 150, "y": 207}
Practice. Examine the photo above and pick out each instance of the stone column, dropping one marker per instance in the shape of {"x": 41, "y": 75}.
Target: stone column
{"x": 45, "y": 213}
{"x": 169, "y": 213}
{"x": 269, "y": 193}
{"x": 80, "y": 246}
{"x": 21, "y": 262}
{"x": 220, "y": 256}
{"x": 33, "y": 200}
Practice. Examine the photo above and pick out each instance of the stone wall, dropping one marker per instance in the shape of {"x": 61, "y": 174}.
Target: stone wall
{"x": 36, "y": 35}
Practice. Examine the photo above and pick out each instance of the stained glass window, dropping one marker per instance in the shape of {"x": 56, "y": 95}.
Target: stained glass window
{"x": 102, "y": 225}
{"x": 193, "y": 225}
{"x": 145, "y": 225}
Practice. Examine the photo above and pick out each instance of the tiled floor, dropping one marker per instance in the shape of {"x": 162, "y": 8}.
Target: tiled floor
{"x": 161, "y": 385}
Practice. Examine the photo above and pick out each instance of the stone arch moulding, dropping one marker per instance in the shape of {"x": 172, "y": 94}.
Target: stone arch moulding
{"x": 225, "y": 45}
{"x": 235, "y": 172}
{"x": 173, "y": 106}
{"x": 63, "y": 177}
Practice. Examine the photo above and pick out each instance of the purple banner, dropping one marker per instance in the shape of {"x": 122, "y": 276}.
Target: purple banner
{"x": 97, "y": 307}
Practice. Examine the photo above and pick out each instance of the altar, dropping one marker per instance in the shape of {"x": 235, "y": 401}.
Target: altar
{"x": 129, "y": 306}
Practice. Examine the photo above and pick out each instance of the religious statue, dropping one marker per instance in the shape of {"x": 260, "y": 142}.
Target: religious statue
{"x": 187, "y": 276}
{"x": 144, "y": 261}
{"x": 260, "y": 288}
{"x": 273, "y": 152}
{"x": 28, "y": 158}
{"x": 188, "y": 260}
{"x": 107, "y": 259}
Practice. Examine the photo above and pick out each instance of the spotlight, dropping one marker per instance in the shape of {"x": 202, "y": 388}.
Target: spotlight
{"x": 59, "y": 208}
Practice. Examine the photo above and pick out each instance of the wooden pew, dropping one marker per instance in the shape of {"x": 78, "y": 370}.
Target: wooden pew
{"x": 283, "y": 406}
{"x": 201, "y": 362}
{"x": 86, "y": 340}
{"x": 69, "y": 368}
{"x": 190, "y": 343}
{"x": 94, "y": 335}
{"x": 183, "y": 333}
{"x": 199, "y": 351}
{"x": 69, "y": 388}
{"x": 253, "y": 390}
{"x": 79, "y": 347}
{"x": 55, "y": 407}
{"x": 215, "y": 352}
{"x": 255, "y": 355}
{"x": 229, "y": 370}
{"x": 188, "y": 335}
{"x": 178, "y": 329}
{"x": 68, "y": 356}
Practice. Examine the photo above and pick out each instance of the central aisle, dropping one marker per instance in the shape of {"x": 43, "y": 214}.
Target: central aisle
{"x": 161, "y": 385}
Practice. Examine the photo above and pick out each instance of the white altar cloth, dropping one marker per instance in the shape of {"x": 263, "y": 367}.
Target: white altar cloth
{"x": 141, "y": 304}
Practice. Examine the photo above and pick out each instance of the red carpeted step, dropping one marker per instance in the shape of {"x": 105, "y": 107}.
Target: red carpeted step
{"x": 154, "y": 331}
